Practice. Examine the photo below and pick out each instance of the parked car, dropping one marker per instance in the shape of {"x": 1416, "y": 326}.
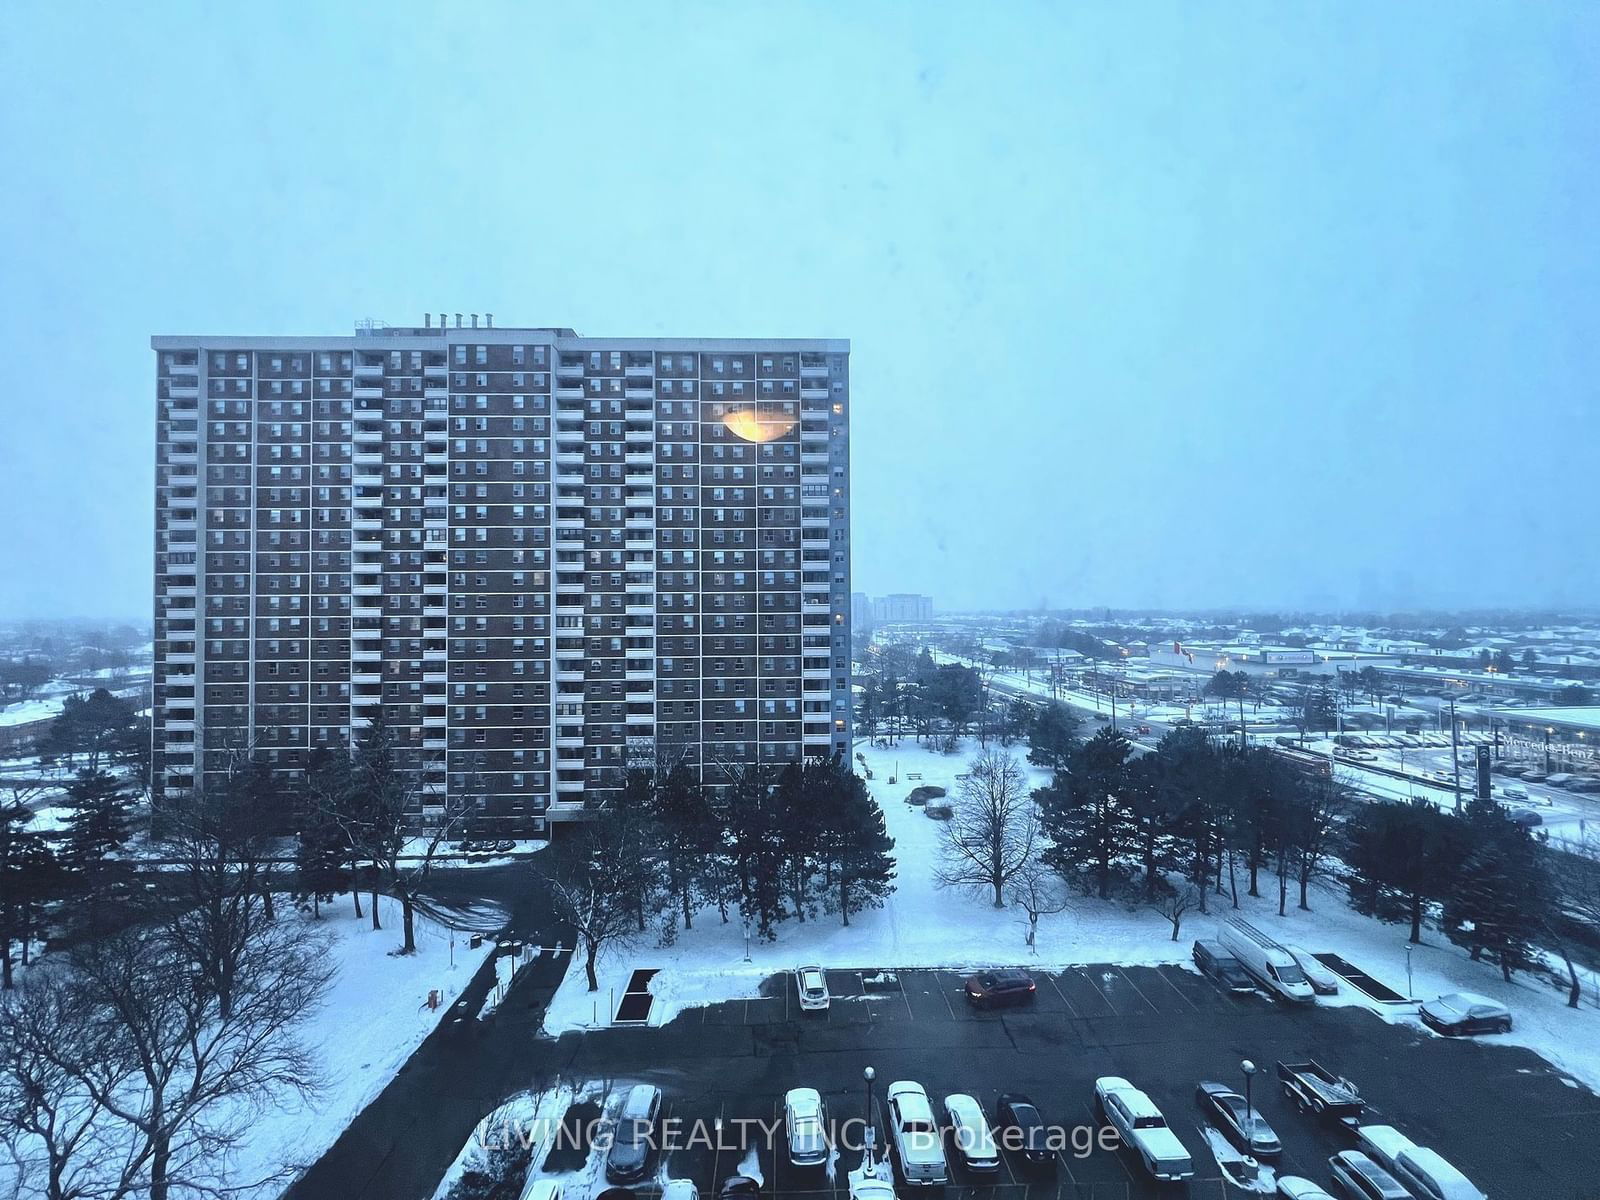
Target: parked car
{"x": 1216, "y": 962}
{"x": 1292, "y": 1187}
{"x": 812, "y": 984}
{"x": 1020, "y": 1127}
{"x": 1359, "y": 1178}
{"x": 1323, "y": 981}
{"x": 679, "y": 1189}
{"x": 1133, "y": 1115}
{"x": 735, "y": 1187}
{"x": 1420, "y": 1171}
{"x": 1525, "y": 817}
{"x": 997, "y": 989}
{"x": 634, "y": 1134}
{"x": 1466, "y": 1012}
{"x": 970, "y": 1135}
{"x": 805, "y": 1125}
{"x": 1241, "y": 1123}
{"x": 504, "y": 846}
{"x": 545, "y": 1189}
{"x": 1514, "y": 791}
{"x": 915, "y": 1135}
{"x": 1534, "y": 776}
{"x": 1265, "y": 961}
{"x": 1585, "y": 783}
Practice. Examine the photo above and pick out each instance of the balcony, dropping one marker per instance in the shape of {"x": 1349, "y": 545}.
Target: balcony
{"x": 367, "y": 391}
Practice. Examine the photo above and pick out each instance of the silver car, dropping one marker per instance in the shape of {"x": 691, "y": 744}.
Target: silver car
{"x": 805, "y": 1125}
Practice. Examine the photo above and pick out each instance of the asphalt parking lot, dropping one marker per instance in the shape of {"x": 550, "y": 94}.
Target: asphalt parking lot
{"x": 1502, "y": 1115}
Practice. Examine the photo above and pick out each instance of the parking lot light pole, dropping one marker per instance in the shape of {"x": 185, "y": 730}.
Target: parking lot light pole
{"x": 1249, "y": 1069}
{"x": 867, "y": 1137}
{"x": 1410, "y": 991}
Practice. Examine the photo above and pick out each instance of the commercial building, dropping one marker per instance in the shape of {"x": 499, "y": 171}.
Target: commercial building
{"x": 544, "y": 558}
{"x": 1277, "y": 662}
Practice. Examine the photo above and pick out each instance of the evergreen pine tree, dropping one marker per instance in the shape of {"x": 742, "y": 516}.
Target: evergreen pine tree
{"x": 1086, "y": 816}
{"x": 860, "y": 852}
{"x": 690, "y": 835}
{"x": 1499, "y": 900}
{"x": 1052, "y": 737}
{"x": 99, "y": 825}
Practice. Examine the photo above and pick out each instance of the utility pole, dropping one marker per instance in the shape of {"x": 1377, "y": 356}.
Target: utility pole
{"x": 1455, "y": 752}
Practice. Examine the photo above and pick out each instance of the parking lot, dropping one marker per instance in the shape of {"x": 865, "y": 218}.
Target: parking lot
{"x": 1514, "y": 1125}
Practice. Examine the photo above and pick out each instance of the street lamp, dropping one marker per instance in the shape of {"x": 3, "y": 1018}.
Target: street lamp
{"x": 1249, "y": 1069}
{"x": 867, "y": 1138}
{"x": 1410, "y": 990}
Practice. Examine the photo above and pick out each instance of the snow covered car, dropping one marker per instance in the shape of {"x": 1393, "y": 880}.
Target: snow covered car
{"x": 1466, "y": 1012}
{"x": 1323, "y": 981}
{"x": 1358, "y": 1177}
{"x": 679, "y": 1189}
{"x": 915, "y": 1135}
{"x": 805, "y": 1127}
{"x": 1215, "y": 961}
{"x": 543, "y": 1189}
{"x": 1134, "y": 1115}
{"x": 970, "y": 1135}
{"x": 1292, "y": 1187}
{"x": 1240, "y": 1122}
{"x": 812, "y": 985}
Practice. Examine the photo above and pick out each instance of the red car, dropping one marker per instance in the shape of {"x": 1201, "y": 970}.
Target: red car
{"x": 996, "y": 989}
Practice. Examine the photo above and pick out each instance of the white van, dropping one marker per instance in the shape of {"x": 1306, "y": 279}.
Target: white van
{"x": 1423, "y": 1172}
{"x": 1268, "y": 963}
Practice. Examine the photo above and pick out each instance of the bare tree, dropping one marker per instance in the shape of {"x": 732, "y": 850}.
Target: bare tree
{"x": 57, "y": 1134}
{"x": 591, "y": 873}
{"x": 180, "y": 1078}
{"x": 1174, "y": 904}
{"x": 995, "y": 832}
{"x": 122, "y": 1077}
{"x": 1576, "y": 876}
{"x": 1038, "y": 892}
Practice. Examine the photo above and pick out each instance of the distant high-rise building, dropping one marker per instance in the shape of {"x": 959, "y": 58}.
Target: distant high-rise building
{"x": 860, "y": 611}
{"x": 901, "y": 607}
{"x": 544, "y": 558}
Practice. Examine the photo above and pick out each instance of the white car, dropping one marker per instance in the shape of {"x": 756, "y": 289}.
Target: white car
{"x": 544, "y": 1189}
{"x": 914, "y": 1134}
{"x": 970, "y": 1134}
{"x": 805, "y": 1126}
{"x": 1292, "y": 1187}
{"x": 1323, "y": 981}
{"x": 812, "y": 984}
{"x": 1134, "y": 1115}
{"x": 677, "y": 1189}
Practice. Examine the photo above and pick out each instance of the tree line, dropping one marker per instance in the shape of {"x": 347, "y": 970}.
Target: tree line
{"x": 1200, "y": 818}
{"x": 775, "y": 845}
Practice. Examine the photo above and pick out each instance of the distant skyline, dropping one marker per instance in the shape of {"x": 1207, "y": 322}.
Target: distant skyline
{"x": 1249, "y": 307}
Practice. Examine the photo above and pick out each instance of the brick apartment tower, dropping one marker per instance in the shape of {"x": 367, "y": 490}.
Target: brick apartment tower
{"x": 546, "y": 557}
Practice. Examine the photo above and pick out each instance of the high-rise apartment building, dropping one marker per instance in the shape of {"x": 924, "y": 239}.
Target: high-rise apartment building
{"x": 545, "y": 558}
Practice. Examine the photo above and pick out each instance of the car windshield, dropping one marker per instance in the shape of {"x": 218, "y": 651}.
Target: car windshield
{"x": 1291, "y": 974}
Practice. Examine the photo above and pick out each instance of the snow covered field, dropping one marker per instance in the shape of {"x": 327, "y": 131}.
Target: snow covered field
{"x": 923, "y": 925}
{"x": 375, "y": 1015}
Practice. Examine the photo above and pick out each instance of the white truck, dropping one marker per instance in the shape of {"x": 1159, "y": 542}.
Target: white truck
{"x": 914, "y": 1134}
{"x": 1134, "y": 1115}
{"x": 1265, "y": 961}
{"x": 1422, "y": 1172}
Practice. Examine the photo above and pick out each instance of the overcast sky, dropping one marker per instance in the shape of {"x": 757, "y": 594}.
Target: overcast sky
{"x": 1227, "y": 304}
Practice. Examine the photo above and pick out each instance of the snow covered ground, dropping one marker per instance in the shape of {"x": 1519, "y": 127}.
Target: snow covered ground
{"x": 375, "y": 1015}
{"x": 923, "y": 925}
